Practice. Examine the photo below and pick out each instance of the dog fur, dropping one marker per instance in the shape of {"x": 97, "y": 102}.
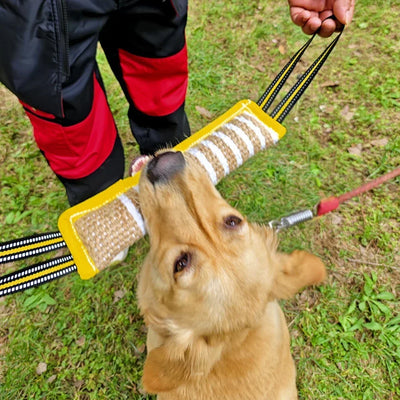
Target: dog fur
{"x": 209, "y": 291}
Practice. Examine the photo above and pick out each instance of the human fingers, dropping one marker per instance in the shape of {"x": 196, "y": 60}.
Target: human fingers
{"x": 328, "y": 26}
{"x": 312, "y": 25}
{"x": 309, "y": 21}
{"x": 299, "y": 15}
{"x": 311, "y": 5}
{"x": 344, "y": 10}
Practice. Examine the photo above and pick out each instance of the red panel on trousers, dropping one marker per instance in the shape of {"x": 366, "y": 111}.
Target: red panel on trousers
{"x": 157, "y": 86}
{"x": 36, "y": 111}
{"x": 78, "y": 150}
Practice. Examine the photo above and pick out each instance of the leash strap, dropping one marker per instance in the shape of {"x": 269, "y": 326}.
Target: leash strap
{"x": 332, "y": 203}
{"x": 329, "y": 204}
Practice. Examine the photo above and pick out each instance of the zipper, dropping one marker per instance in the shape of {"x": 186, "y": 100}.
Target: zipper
{"x": 173, "y": 6}
{"x": 61, "y": 30}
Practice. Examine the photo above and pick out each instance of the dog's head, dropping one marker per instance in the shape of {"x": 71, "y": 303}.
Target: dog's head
{"x": 209, "y": 271}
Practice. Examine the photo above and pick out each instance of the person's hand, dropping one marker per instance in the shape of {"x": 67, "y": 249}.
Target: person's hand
{"x": 311, "y": 15}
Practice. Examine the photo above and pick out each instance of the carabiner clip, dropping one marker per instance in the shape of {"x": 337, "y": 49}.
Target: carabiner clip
{"x": 291, "y": 220}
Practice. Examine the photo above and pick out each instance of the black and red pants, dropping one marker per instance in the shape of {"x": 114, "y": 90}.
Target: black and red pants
{"x": 144, "y": 42}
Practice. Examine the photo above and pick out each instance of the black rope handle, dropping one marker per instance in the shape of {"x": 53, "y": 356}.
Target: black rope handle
{"x": 36, "y": 275}
{"x": 287, "y": 103}
{"x": 30, "y": 246}
{"x": 276, "y": 85}
{"x": 290, "y": 99}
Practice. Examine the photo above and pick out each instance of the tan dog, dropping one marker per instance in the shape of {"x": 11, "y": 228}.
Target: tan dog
{"x": 209, "y": 292}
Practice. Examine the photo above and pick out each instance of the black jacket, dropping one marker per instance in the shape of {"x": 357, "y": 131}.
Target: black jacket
{"x": 34, "y": 59}
{"x": 34, "y": 51}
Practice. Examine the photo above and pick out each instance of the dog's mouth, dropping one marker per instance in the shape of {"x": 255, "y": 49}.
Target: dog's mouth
{"x": 165, "y": 166}
{"x": 161, "y": 168}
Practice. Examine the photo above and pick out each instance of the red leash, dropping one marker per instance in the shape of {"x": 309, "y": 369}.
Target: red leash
{"x": 330, "y": 204}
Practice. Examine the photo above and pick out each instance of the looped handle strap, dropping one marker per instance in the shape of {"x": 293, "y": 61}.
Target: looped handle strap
{"x": 36, "y": 274}
{"x": 290, "y": 99}
{"x": 30, "y": 246}
{"x": 276, "y": 85}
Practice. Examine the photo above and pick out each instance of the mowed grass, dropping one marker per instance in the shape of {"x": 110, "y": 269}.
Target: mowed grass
{"x": 87, "y": 337}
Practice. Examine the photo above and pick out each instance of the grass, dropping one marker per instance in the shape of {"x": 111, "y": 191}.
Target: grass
{"x": 345, "y": 334}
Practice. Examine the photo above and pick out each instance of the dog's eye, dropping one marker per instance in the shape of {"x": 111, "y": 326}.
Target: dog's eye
{"x": 232, "y": 221}
{"x": 182, "y": 262}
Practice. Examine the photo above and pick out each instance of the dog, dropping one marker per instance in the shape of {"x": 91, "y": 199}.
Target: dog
{"x": 209, "y": 290}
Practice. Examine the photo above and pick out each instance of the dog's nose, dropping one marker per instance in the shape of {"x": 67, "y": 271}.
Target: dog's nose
{"x": 165, "y": 166}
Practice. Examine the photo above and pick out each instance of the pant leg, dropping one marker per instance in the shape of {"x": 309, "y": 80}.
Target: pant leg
{"x": 82, "y": 147}
{"x": 145, "y": 45}
{"x": 111, "y": 170}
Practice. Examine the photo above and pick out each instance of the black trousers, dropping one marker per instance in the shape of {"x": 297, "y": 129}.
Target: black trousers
{"x": 144, "y": 42}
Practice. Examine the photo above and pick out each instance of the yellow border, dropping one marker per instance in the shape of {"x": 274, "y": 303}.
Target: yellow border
{"x": 85, "y": 264}
{"x": 238, "y": 108}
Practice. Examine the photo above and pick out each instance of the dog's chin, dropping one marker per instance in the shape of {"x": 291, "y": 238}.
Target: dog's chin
{"x": 204, "y": 325}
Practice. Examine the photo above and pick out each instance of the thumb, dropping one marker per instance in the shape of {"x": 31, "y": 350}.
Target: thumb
{"x": 343, "y": 10}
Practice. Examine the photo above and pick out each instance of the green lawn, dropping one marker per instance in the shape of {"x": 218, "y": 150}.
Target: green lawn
{"x": 88, "y": 335}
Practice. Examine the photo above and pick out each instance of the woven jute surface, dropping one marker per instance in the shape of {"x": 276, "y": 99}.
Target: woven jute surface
{"x": 114, "y": 226}
{"x": 109, "y": 229}
{"x": 237, "y": 140}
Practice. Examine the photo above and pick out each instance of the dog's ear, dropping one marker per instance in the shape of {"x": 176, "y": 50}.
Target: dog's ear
{"x": 295, "y": 271}
{"x": 161, "y": 373}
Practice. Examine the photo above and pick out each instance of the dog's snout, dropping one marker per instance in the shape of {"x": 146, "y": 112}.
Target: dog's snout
{"x": 165, "y": 166}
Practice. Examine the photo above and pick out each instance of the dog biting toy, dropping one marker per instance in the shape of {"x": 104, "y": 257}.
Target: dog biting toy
{"x": 98, "y": 229}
